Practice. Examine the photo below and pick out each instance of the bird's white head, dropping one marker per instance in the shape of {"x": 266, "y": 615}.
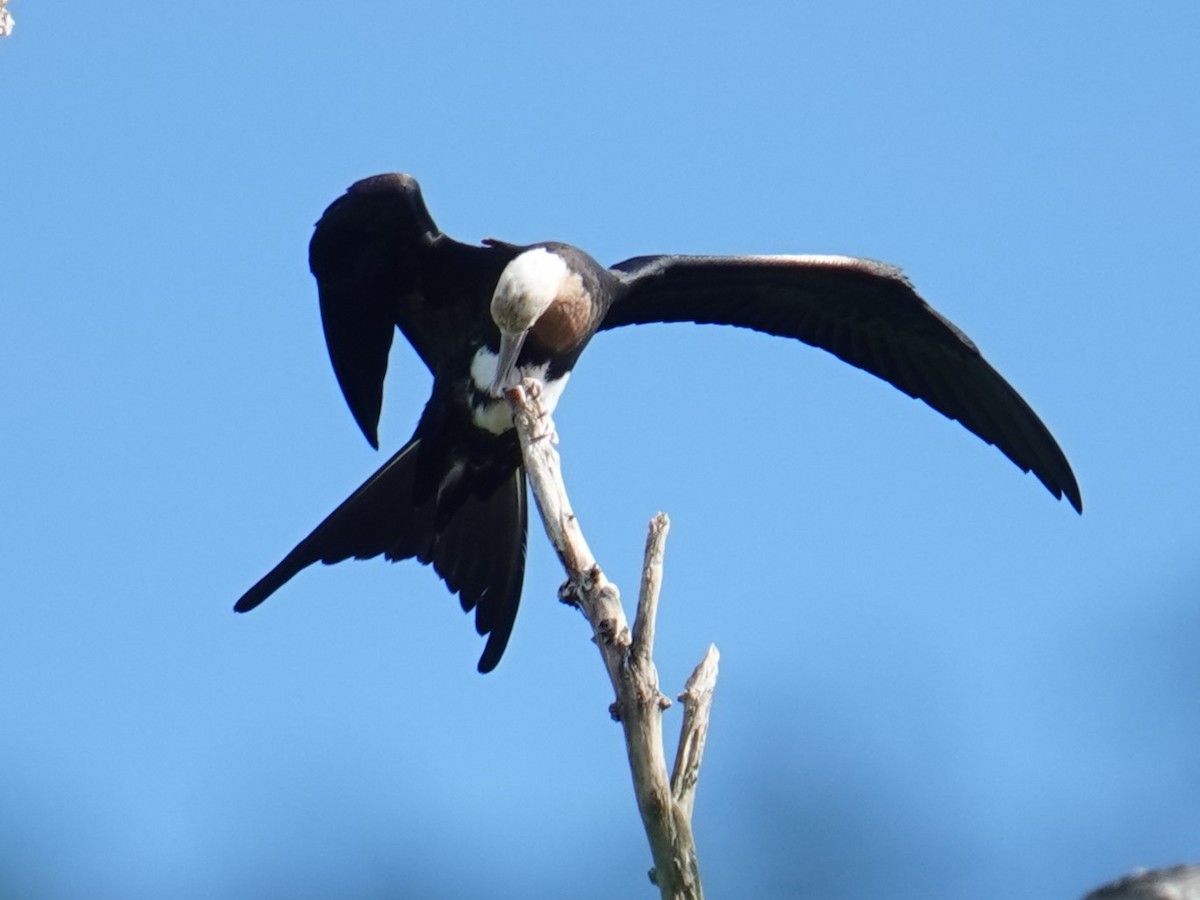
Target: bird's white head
{"x": 526, "y": 289}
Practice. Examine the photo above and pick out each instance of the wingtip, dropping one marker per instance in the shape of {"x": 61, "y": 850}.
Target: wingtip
{"x": 1068, "y": 492}
{"x": 369, "y": 429}
{"x": 1076, "y": 500}
{"x": 1069, "y": 488}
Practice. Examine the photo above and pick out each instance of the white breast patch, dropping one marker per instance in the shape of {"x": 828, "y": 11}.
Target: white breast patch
{"x": 492, "y": 413}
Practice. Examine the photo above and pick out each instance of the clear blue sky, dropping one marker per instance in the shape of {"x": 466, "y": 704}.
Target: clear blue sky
{"x": 937, "y": 682}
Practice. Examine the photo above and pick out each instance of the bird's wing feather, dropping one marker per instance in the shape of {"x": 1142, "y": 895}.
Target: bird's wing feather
{"x": 863, "y": 312}
{"x": 381, "y": 262}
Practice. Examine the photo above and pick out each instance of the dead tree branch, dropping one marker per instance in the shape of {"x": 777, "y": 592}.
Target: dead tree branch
{"x": 665, "y": 805}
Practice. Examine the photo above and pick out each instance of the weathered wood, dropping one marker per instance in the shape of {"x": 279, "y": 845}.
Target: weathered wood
{"x": 697, "y": 704}
{"x": 665, "y": 805}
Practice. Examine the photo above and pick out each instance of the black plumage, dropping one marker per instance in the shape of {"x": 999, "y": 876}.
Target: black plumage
{"x": 454, "y": 496}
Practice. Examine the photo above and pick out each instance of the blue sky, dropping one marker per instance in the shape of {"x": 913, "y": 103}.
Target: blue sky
{"x": 936, "y": 680}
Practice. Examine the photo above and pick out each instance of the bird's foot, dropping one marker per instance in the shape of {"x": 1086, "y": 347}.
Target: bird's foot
{"x": 568, "y": 593}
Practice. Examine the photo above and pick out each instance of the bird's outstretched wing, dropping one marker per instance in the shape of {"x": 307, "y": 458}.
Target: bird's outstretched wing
{"x": 381, "y": 262}
{"x": 480, "y": 555}
{"x": 863, "y": 312}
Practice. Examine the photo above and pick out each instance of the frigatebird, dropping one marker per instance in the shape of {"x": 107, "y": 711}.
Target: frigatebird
{"x": 481, "y": 318}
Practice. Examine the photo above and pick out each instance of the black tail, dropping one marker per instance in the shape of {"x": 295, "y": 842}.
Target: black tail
{"x": 479, "y": 551}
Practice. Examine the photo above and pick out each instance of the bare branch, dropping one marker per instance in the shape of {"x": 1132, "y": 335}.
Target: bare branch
{"x": 647, "y": 608}
{"x": 697, "y": 704}
{"x": 666, "y": 814}
{"x": 536, "y": 429}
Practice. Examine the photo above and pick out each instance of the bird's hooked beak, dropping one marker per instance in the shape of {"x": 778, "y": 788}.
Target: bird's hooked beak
{"x": 510, "y": 349}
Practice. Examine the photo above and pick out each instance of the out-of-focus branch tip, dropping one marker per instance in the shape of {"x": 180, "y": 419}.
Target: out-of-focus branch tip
{"x": 1173, "y": 883}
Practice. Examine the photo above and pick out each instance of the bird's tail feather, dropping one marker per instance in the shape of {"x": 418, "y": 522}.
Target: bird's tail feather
{"x": 478, "y": 550}
{"x": 481, "y": 556}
